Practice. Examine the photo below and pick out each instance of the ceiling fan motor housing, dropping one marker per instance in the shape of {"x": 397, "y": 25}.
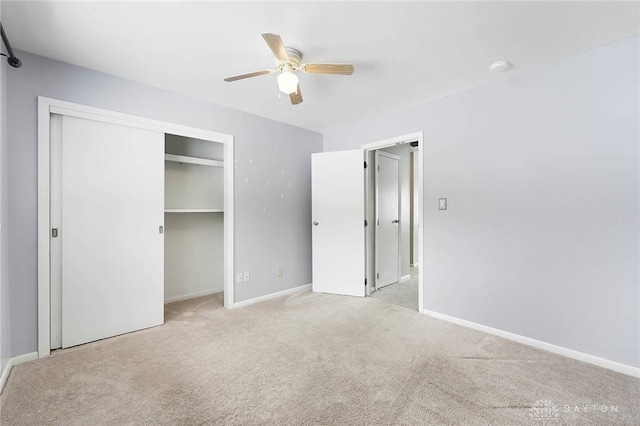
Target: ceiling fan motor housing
{"x": 295, "y": 56}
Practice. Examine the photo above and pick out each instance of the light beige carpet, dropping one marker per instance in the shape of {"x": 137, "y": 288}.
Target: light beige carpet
{"x": 404, "y": 293}
{"x": 312, "y": 359}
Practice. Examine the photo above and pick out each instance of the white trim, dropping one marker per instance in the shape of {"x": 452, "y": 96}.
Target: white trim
{"x": 560, "y": 350}
{"x": 398, "y": 140}
{"x": 228, "y": 228}
{"x": 421, "y": 222}
{"x": 405, "y": 278}
{"x": 44, "y": 224}
{"x": 12, "y": 362}
{"x": 84, "y": 111}
{"x": 46, "y": 106}
{"x": 5, "y": 374}
{"x": 415, "y": 265}
{"x": 192, "y": 295}
{"x": 272, "y": 295}
{"x": 369, "y": 216}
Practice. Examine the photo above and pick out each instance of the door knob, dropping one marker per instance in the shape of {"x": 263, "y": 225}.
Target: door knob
{"x": 395, "y": 221}
{"x": 315, "y": 223}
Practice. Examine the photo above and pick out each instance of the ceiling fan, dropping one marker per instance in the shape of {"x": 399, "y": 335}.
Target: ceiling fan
{"x": 288, "y": 62}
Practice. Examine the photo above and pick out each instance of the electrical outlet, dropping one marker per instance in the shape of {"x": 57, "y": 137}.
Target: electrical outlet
{"x": 239, "y": 277}
{"x": 246, "y": 277}
{"x": 279, "y": 272}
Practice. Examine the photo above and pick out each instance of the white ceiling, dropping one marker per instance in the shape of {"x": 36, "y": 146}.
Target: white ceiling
{"x": 404, "y": 53}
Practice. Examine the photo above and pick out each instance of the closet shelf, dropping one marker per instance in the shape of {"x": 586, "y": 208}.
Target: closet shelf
{"x": 193, "y": 211}
{"x": 193, "y": 160}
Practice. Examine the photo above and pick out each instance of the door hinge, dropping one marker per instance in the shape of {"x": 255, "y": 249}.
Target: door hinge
{"x": 365, "y": 164}
{"x": 366, "y": 223}
{"x": 378, "y": 275}
{"x": 54, "y": 233}
{"x": 161, "y": 229}
{"x": 378, "y": 168}
{"x": 378, "y": 222}
{"x": 365, "y": 282}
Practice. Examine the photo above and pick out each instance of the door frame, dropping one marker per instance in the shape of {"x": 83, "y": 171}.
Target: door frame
{"x": 48, "y": 106}
{"x": 368, "y": 149}
{"x": 376, "y": 182}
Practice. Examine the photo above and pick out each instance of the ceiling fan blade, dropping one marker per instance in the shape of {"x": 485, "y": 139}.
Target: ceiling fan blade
{"x": 296, "y": 97}
{"x": 251, "y": 74}
{"x": 276, "y": 45}
{"x": 343, "y": 69}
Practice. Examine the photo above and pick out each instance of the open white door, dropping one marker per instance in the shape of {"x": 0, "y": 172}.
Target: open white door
{"x": 387, "y": 239}
{"x": 111, "y": 235}
{"x": 338, "y": 222}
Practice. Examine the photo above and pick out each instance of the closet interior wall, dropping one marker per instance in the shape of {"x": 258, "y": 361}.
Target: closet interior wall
{"x": 194, "y": 218}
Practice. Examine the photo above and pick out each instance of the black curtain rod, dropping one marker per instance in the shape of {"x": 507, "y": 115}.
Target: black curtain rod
{"x": 13, "y": 61}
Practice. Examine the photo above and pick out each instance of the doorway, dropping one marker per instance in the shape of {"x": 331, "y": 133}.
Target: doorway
{"x": 394, "y": 205}
{"x": 343, "y": 217}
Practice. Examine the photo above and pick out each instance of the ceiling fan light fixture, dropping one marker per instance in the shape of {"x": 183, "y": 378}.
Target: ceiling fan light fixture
{"x": 288, "y": 82}
{"x": 287, "y": 63}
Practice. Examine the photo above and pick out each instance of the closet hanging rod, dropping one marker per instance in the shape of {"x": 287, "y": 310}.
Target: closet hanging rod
{"x": 193, "y": 160}
{"x": 13, "y": 61}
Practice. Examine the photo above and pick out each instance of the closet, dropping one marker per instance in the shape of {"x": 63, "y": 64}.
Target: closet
{"x": 194, "y": 218}
{"x": 136, "y": 220}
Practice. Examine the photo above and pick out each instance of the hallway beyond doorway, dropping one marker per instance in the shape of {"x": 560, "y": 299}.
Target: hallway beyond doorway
{"x": 404, "y": 293}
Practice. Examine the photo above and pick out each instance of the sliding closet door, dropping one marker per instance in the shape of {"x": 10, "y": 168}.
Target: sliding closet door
{"x": 112, "y": 244}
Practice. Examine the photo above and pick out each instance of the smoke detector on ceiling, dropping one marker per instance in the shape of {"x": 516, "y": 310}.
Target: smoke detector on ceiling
{"x": 500, "y": 66}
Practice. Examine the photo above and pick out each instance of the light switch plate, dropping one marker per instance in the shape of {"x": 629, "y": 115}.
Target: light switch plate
{"x": 247, "y": 277}
{"x": 442, "y": 204}
{"x": 239, "y": 278}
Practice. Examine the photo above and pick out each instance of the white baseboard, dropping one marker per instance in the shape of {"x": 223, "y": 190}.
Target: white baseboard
{"x": 191, "y": 295}
{"x": 271, "y": 296}
{"x": 32, "y": 356}
{"x": 560, "y": 350}
{"x": 405, "y": 278}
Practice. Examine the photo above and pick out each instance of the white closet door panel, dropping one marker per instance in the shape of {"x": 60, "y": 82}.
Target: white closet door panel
{"x": 112, "y": 250}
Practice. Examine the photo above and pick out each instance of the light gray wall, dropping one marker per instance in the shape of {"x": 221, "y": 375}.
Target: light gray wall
{"x": 5, "y": 332}
{"x": 272, "y": 179}
{"x": 541, "y": 171}
{"x": 404, "y": 166}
